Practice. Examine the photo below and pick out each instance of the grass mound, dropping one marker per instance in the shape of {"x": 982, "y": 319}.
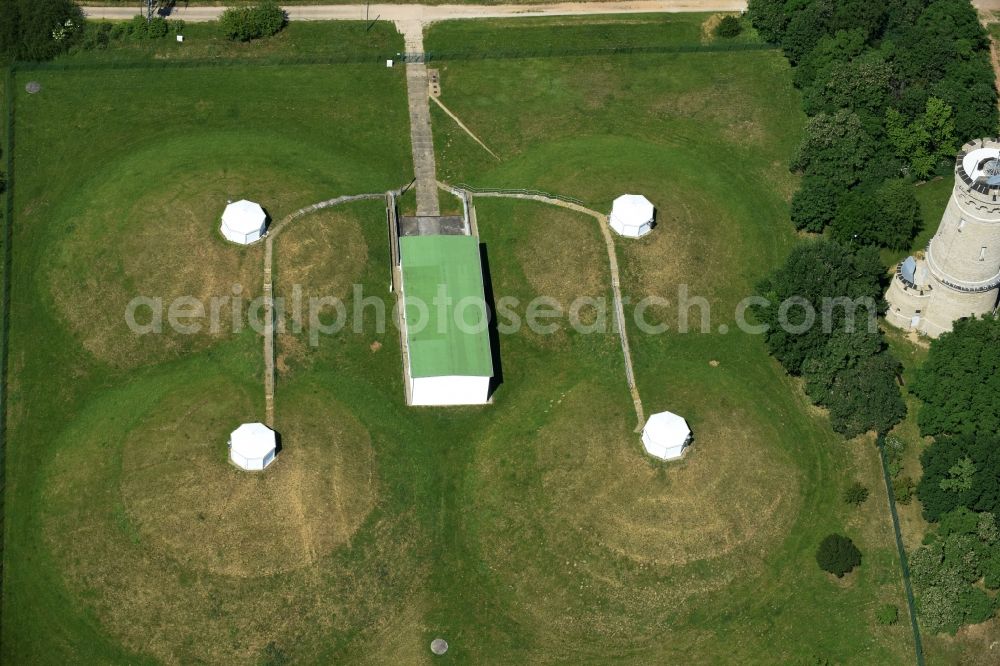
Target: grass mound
{"x": 123, "y": 239}
{"x": 185, "y": 499}
{"x": 221, "y": 561}
{"x": 608, "y": 541}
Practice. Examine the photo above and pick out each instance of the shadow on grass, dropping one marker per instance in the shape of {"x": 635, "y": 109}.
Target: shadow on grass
{"x": 497, "y": 379}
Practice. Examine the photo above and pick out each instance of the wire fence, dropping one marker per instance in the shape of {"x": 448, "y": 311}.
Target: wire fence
{"x": 381, "y": 58}
{"x": 903, "y": 562}
{"x": 526, "y": 193}
{"x": 7, "y": 235}
{"x": 569, "y": 52}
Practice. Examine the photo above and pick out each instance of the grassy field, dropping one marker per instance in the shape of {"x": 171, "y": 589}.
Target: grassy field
{"x": 533, "y": 530}
{"x": 108, "y": 210}
{"x": 707, "y": 137}
{"x": 489, "y": 36}
{"x": 299, "y": 40}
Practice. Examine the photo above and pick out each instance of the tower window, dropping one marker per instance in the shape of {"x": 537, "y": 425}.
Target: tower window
{"x": 982, "y": 254}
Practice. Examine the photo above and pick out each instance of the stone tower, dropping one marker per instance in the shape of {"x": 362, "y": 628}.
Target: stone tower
{"x": 959, "y": 273}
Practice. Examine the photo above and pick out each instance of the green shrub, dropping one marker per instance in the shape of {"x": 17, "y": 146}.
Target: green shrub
{"x": 991, "y": 572}
{"x": 925, "y": 563}
{"x": 902, "y": 489}
{"x": 97, "y": 35}
{"x": 887, "y": 615}
{"x": 855, "y": 494}
{"x": 119, "y": 31}
{"x": 157, "y": 28}
{"x": 137, "y": 27}
{"x": 101, "y": 35}
{"x": 976, "y": 606}
{"x": 242, "y": 24}
{"x": 728, "y": 27}
{"x": 838, "y": 555}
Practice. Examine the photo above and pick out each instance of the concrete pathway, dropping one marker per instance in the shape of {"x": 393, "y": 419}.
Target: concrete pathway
{"x": 421, "y": 136}
{"x": 609, "y": 242}
{"x": 430, "y": 13}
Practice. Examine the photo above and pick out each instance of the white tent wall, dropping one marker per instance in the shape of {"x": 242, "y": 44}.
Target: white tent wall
{"x": 243, "y": 222}
{"x": 252, "y": 446}
{"x": 252, "y": 464}
{"x": 242, "y": 239}
{"x": 660, "y": 451}
{"x": 632, "y": 215}
{"x": 449, "y": 390}
{"x": 666, "y": 435}
{"x": 630, "y": 231}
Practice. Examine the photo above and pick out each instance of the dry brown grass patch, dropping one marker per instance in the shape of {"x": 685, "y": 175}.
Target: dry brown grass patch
{"x": 607, "y": 522}
{"x": 563, "y": 257}
{"x": 186, "y": 499}
{"x": 693, "y": 243}
{"x": 164, "y": 244}
{"x": 324, "y": 252}
{"x": 698, "y": 508}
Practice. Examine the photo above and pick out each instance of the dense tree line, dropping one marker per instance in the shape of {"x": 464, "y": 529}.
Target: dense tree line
{"x": 892, "y": 90}
{"x": 958, "y": 560}
{"x": 960, "y": 486}
{"x": 841, "y": 354}
{"x": 38, "y": 29}
{"x": 960, "y": 472}
{"x": 960, "y": 381}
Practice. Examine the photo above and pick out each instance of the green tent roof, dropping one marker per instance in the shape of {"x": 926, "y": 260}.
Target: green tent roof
{"x": 440, "y": 342}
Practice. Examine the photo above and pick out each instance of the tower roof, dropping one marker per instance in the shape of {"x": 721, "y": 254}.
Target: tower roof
{"x": 978, "y": 166}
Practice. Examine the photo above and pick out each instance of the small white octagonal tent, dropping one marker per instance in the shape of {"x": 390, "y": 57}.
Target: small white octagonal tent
{"x": 631, "y": 215}
{"x": 243, "y": 222}
{"x": 252, "y": 446}
{"x": 665, "y": 435}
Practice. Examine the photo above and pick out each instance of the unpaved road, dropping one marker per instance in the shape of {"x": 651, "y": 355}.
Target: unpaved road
{"x": 430, "y": 13}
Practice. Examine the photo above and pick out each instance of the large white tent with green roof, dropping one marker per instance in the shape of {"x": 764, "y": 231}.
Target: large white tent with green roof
{"x": 448, "y": 360}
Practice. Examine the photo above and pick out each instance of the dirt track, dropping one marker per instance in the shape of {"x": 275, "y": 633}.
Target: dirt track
{"x": 430, "y": 13}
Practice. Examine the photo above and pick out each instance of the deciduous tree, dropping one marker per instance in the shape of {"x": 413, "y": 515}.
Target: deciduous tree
{"x": 38, "y": 29}
{"x": 960, "y": 381}
{"x": 838, "y": 555}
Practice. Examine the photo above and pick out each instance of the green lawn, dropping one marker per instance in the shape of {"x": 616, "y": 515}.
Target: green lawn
{"x": 302, "y": 40}
{"x": 122, "y": 177}
{"x": 534, "y": 530}
{"x": 491, "y": 36}
{"x": 707, "y": 137}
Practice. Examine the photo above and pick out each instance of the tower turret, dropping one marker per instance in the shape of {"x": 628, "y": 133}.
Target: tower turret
{"x": 959, "y": 273}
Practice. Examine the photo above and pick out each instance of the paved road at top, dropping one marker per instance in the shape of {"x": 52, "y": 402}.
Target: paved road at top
{"x": 429, "y": 13}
